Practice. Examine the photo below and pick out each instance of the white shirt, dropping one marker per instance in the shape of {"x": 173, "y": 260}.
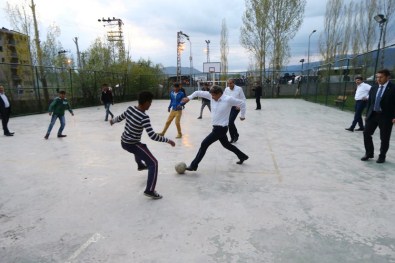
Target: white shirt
{"x": 362, "y": 91}
{"x": 6, "y": 102}
{"x": 220, "y": 109}
{"x": 236, "y": 93}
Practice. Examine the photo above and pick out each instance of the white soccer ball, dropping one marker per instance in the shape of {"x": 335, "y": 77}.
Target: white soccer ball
{"x": 180, "y": 167}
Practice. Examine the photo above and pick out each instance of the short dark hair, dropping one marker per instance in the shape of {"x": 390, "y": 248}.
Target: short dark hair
{"x": 62, "y": 92}
{"x": 386, "y": 72}
{"x": 176, "y": 84}
{"x": 216, "y": 90}
{"x": 145, "y": 96}
{"x": 358, "y": 77}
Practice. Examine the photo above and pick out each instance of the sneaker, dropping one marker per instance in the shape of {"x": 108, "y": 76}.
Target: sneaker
{"x": 179, "y": 136}
{"x": 142, "y": 167}
{"x": 61, "y": 136}
{"x": 200, "y": 117}
{"x": 152, "y": 194}
{"x": 46, "y": 136}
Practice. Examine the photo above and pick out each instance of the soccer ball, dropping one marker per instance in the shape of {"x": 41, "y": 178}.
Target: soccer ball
{"x": 180, "y": 167}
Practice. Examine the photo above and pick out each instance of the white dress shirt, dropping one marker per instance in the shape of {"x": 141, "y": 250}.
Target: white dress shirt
{"x": 6, "y": 102}
{"x": 220, "y": 109}
{"x": 236, "y": 93}
{"x": 362, "y": 91}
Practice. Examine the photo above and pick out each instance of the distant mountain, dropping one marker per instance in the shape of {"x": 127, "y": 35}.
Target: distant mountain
{"x": 184, "y": 71}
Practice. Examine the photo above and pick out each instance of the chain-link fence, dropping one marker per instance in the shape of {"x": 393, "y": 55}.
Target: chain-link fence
{"x": 30, "y": 88}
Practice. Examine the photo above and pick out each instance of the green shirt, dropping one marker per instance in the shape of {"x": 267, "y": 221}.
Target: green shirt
{"x": 58, "y": 106}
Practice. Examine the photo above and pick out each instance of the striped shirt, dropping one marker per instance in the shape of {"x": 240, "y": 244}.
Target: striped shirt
{"x": 136, "y": 122}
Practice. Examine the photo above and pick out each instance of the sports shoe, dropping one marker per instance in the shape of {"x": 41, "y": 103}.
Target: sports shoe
{"x": 152, "y": 194}
{"x": 179, "y": 136}
{"x": 46, "y": 136}
{"x": 61, "y": 136}
{"x": 200, "y": 117}
{"x": 142, "y": 167}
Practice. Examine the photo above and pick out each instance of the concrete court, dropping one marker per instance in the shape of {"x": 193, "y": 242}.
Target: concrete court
{"x": 303, "y": 196}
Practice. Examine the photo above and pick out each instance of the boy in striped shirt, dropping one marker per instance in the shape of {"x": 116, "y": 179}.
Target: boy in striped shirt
{"x": 136, "y": 121}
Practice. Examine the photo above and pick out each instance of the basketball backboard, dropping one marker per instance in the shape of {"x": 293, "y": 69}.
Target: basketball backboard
{"x": 211, "y": 67}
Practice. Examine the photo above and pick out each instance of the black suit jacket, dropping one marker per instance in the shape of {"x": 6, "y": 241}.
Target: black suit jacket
{"x": 387, "y": 102}
{"x": 2, "y": 107}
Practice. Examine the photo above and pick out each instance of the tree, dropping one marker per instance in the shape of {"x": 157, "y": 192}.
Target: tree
{"x": 334, "y": 26}
{"x": 254, "y": 33}
{"x": 285, "y": 19}
{"x": 224, "y": 48}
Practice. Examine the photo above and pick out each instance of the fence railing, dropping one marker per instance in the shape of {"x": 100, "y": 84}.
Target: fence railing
{"x": 30, "y": 93}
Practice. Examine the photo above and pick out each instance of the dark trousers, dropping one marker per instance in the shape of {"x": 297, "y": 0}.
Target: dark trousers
{"x": 258, "y": 103}
{"x": 232, "y": 127}
{"x": 5, "y": 116}
{"x": 385, "y": 126}
{"x": 359, "y": 107}
{"x": 218, "y": 133}
{"x": 141, "y": 153}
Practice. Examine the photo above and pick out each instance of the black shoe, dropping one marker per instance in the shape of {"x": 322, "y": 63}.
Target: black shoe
{"x": 232, "y": 140}
{"x": 350, "y": 129}
{"x": 190, "y": 168}
{"x": 46, "y": 136}
{"x": 366, "y": 157}
{"x": 9, "y": 134}
{"x": 380, "y": 160}
{"x": 61, "y": 136}
{"x": 153, "y": 195}
{"x": 200, "y": 117}
{"x": 242, "y": 160}
{"x": 235, "y": 139}
{"x": 360, "y": 129}
{"x": 142, "y": 167}
{"x": 257, "y": 108}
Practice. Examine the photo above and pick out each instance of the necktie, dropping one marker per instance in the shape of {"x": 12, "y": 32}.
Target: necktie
{"x": 378, "y": 99}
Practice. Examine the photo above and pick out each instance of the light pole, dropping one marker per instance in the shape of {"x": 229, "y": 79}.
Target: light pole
{"x": 302, "y": 61}
{"x": 381, "y": 20}
{"x": 208, "y": 50}
{"x": 190, "y": 62}
{"x": 308, "y": 61}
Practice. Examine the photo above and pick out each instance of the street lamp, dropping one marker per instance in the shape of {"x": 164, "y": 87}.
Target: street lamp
{"x": 302, "y": 61}
{"x": 308, "y": 61}
{"x": 381, "y": 20}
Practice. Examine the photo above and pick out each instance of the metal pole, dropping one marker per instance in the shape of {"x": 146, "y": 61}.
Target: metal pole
{"x": 378, "y": 52}
{"x": 308, "y": 63}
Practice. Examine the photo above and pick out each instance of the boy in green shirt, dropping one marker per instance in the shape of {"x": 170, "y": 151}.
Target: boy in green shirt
{"x": 56, "y": 109}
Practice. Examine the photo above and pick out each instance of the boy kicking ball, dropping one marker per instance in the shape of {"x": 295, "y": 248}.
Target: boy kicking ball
{"x": 136, "y": 121}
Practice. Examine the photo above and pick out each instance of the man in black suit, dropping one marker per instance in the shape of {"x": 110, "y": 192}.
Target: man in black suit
{"x": 5, "y": 111}
{"x": 381, "y": 113}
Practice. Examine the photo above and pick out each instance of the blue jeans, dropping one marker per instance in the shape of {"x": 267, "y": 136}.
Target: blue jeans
{"x": 359, "y": 107}
{"x": 107, "y": 107}
{"x": 53, "y": 120}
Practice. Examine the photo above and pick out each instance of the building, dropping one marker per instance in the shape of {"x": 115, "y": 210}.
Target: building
{"x": 15, "y": 60}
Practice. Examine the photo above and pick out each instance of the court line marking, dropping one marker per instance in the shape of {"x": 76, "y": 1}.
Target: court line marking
{"x": 93, "y": 239}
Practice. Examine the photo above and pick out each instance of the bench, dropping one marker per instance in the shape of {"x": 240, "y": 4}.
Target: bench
{"x": 340, "y": 100}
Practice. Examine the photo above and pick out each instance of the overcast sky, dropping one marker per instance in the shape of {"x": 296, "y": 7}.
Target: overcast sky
{"x": 151, "y": 26}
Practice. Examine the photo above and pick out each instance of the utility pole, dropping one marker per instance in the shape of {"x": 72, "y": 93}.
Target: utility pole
{"x": 116, "y": 36}
{"x": 39, "y": 54}
{"x": 78, "y": 52}
{"x": 180, "y": 48}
